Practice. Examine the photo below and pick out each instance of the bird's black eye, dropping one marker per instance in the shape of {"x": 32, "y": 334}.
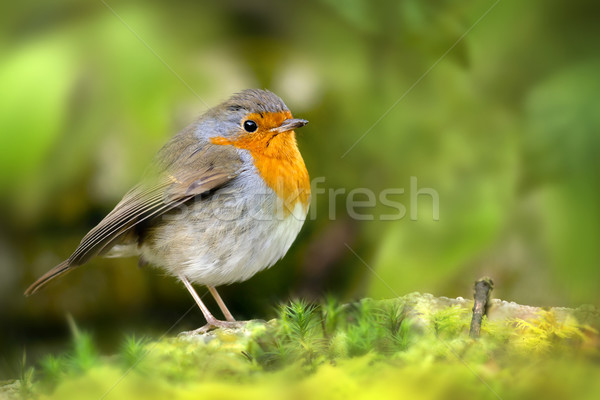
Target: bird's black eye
{"x": 250, "y": 126}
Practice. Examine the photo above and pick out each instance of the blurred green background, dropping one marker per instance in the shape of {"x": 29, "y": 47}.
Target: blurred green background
{"x": 503, "y": 122}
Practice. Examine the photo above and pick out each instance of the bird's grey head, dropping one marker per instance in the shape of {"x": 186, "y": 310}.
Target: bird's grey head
{"x": 247, "y": 112}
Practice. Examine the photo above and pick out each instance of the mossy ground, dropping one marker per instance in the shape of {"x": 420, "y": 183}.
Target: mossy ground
{"x": 410, "y": 347}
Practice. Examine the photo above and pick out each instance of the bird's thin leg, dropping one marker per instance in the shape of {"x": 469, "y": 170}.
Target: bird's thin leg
{"x": 207, "y": 315}
{"x": 221, "y": 304}
{"x": 211, "y": 321}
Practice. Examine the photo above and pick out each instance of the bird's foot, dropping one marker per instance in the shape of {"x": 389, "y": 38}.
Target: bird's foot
{"x": 214, "y": 324}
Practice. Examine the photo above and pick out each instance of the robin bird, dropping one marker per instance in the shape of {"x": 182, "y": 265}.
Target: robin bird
{"x": 222, "y": 200}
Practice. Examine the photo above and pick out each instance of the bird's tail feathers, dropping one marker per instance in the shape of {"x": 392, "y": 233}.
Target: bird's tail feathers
{"x": 55, "y": 272}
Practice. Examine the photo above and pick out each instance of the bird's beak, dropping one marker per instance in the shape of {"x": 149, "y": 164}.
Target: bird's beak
{"x": 290, "y": 125}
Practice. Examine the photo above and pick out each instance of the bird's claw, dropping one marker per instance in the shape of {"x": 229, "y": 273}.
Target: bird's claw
{"x": 215, "y": 324}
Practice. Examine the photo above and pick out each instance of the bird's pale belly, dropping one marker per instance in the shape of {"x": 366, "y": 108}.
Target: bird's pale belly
{"x": 223, "y": 239}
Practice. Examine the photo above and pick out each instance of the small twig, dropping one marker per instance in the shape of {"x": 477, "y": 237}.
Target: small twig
{"x": 483, "y": 288}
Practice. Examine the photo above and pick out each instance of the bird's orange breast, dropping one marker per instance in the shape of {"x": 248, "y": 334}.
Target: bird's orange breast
{"x": 277, "y": 159}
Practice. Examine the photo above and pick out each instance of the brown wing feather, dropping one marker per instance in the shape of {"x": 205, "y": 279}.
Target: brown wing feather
{"x": 182, "y": 170}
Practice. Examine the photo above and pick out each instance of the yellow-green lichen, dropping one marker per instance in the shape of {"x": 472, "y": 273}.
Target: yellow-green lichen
{"x": 413, "y": 347}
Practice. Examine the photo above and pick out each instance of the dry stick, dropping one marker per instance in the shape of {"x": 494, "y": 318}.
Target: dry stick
{"x": 481, "y": 292}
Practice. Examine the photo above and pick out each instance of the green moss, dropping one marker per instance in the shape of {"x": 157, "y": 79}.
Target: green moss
{"x": 414, "y": 347}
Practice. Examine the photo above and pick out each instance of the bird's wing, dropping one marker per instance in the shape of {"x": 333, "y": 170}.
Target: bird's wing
{"x": 185, "y": 172}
